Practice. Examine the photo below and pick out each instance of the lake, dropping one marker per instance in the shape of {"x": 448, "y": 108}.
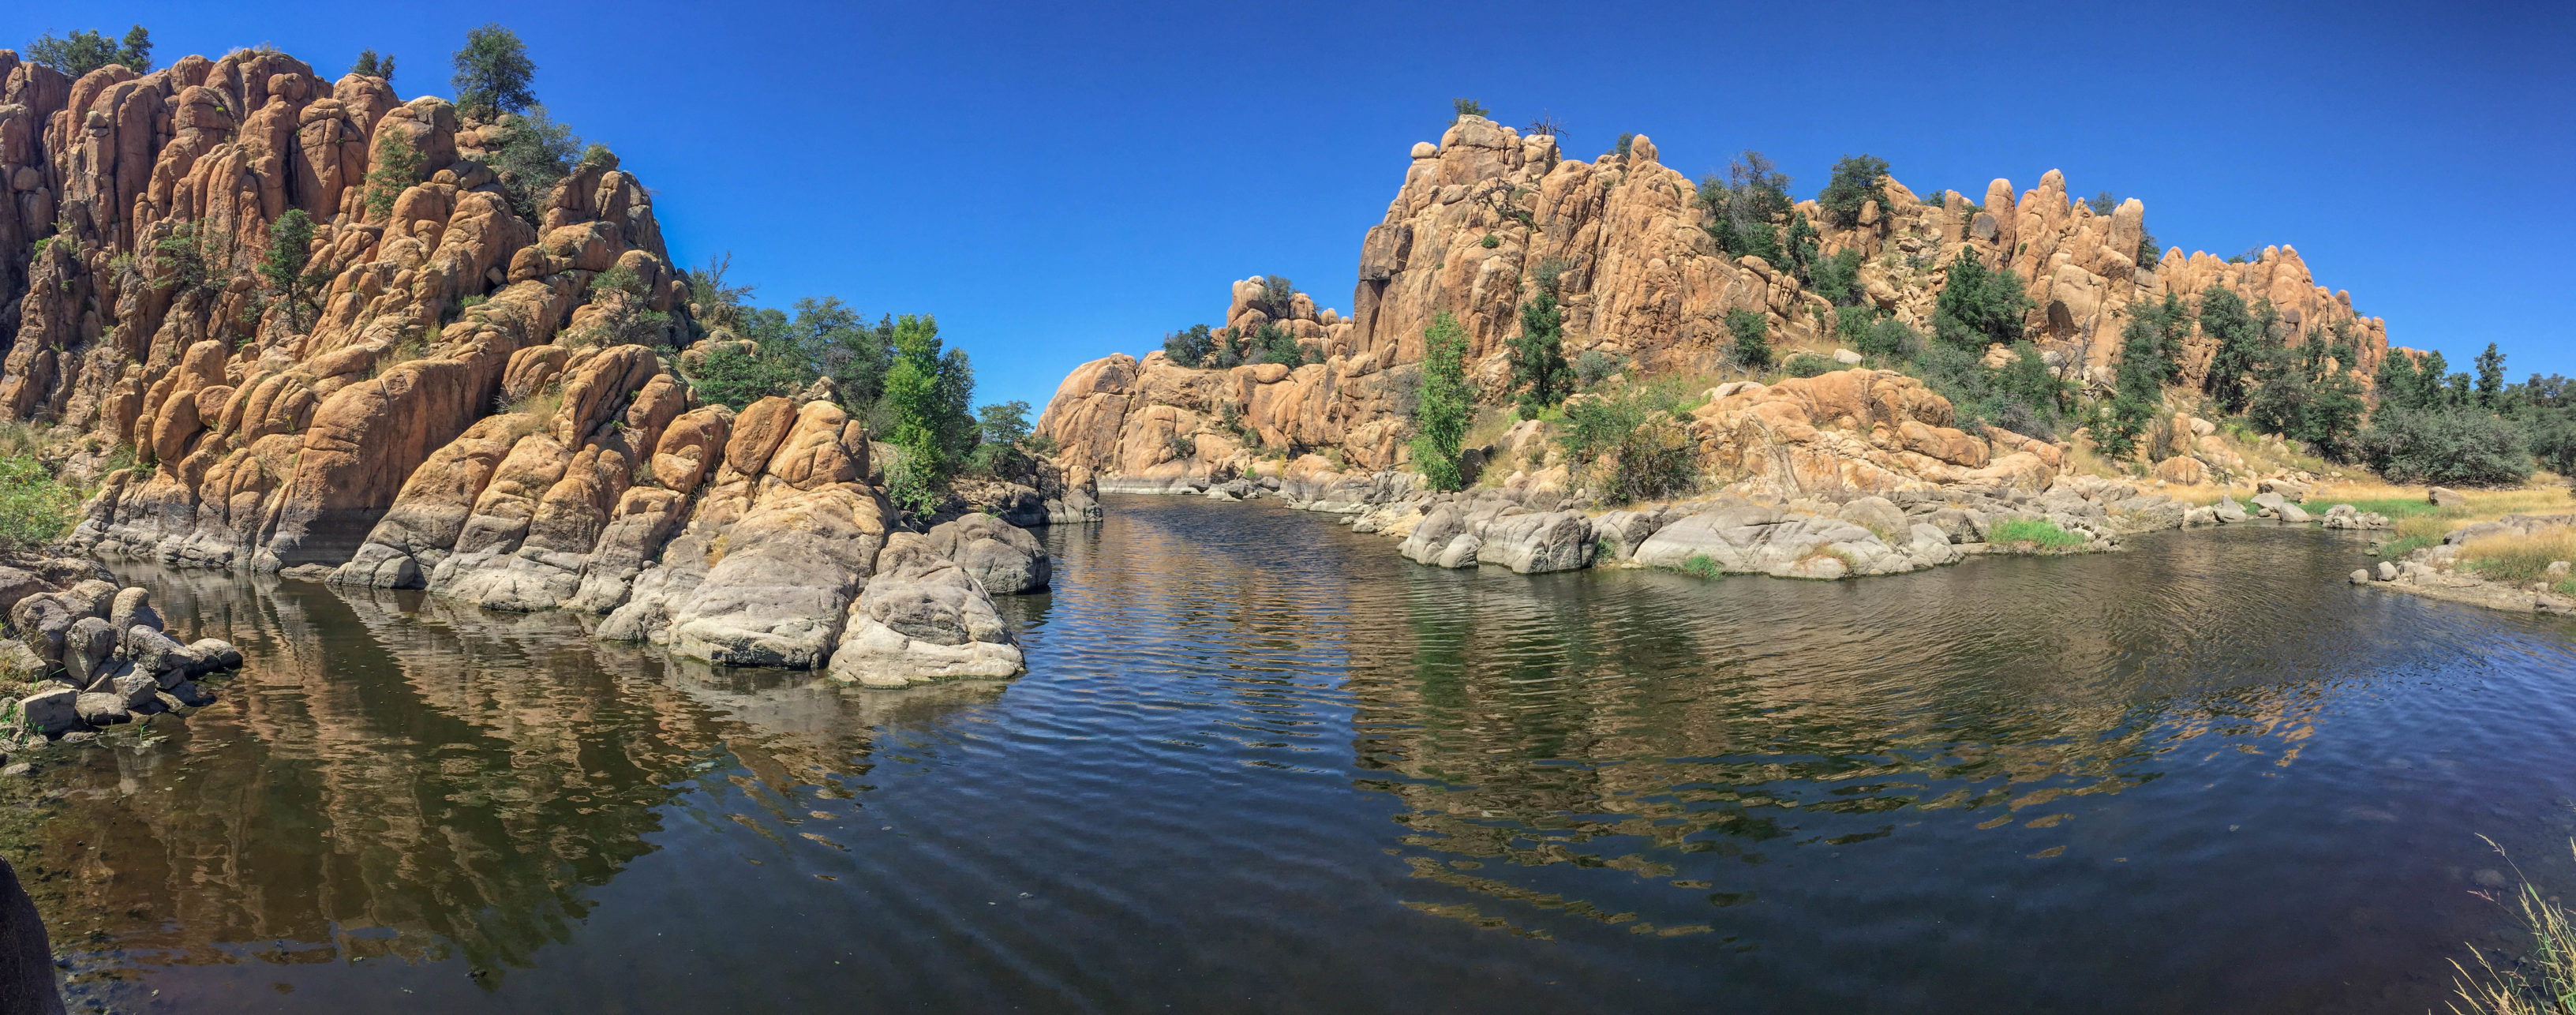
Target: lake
{"x": 1260, "y": 764}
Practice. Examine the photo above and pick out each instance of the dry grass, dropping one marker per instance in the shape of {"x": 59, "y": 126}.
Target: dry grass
{"x": 2519, "y": 559}
{"x": 2543, "y": 983}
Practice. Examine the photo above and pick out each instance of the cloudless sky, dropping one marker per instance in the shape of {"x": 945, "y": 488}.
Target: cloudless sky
{"x": 1059, "y": 181}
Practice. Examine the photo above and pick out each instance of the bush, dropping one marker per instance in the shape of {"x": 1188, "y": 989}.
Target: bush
{"x": 2137, "y": 398}
{"x": 1634, "y": 440}
{"x": 1000, "y": 430}
{"x": 1837, "y": 279}
{"x": 1595, "y": 366}
{"x": 1278, "y": 297}
{"x": 625, "y": 315}
{"x": 926, "y": 393}
{"x": 1462, "y": 108}
{"x": 1978, "y": 306}
{"x": 492, "y": 72}
{"x": 2241, "y": 347}
{"x": 1808, "y": 364}
{"x": 1750, "y": 332}
{"x": 2448, "y": 446}
{"x": 1855, "y": 183}
{"x": 2023, "y": 396}
{"x": 86, "y": 50}
{"x": 1190, "y": 348}
{"x": 531, "y": 153}
{"x": 1742, "y": 206}
{"x": 35, "y": 508}
{"x": 1443, "y": 406}
{"x": 395, "y": 167}
{"x": 1490, "y": 241}
{"x": 1891, "y": 339}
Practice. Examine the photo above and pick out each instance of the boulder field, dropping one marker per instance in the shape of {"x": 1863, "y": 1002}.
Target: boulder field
{"x": 98, "y": 654}
{"x": 465, "y": 405}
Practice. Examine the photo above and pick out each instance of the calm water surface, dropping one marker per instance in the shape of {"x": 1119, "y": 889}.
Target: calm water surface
{"x": 1261, "y": 764}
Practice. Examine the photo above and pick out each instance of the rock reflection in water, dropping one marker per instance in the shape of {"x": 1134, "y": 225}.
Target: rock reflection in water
{"x": 403, "y": 775}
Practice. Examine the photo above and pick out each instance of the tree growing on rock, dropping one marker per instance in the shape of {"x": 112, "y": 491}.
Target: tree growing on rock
{"x": 1443, "y": 406}
{"x": 493, "y": 72}
{"x": 623, "y": 313}
{"x": 1539, "y": 370}
{"x": 2240, "y": 340}
{"x": 281, "y": 267}
{"x": 1855, "y": 183}
{"x": 1190, "y": 347}
{"x": 370, "y": 65}
{"x": 1978, "y": 306}
{"x": 999, "y": 429}
{"x": 86, "y": 50}
{"x": 1460, "y": 109}
{"x": 395, "y": 167}
{"x": 531, "y": 153}
{"x": 1742, "y": 205}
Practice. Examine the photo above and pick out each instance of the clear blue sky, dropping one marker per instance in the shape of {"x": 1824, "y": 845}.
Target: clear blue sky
{"x": 1057, "y": 181}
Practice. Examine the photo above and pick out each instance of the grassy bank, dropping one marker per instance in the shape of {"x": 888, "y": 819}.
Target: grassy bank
{"x": 2541, "y": 983}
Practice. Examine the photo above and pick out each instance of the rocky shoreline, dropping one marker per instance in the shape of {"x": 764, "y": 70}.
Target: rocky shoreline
{"x": 96, "y": 655}
{"x": 2435, "y": 572}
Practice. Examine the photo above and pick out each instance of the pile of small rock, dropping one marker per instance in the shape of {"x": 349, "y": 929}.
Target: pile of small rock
{"x": 98, "y": 652}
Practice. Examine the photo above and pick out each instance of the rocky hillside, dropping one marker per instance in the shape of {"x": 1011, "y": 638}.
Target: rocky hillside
{"x": 1484, "y": 210}
{"x": 463, "y": 406}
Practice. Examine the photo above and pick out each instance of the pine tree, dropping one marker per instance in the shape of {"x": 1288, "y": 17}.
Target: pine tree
{"x": 1440, "y": 418}
{"x": 1539, "y": 369}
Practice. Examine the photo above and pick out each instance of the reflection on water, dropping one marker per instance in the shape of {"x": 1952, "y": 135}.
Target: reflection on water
{"x": 1260, "y": 764}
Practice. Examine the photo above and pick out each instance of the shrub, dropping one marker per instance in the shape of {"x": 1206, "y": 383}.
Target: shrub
{"x": 927, "y": 392}
{"x": 1272, "y": 343}
{"x": 1743, "y": 204}
{"x": 1462, "y": 108}
{"x": 1808, "y": 364}
{"x": 370, "y": 65}
{"x": 1278, "y": 297}
{"x": 1596, "y": 366}
{"x": 35, "y": 508}
{"x": 1890, "y": 338}
{"x": 1621, "y": 146}
{"x": 86, "y": 50}
{"x": 2032, "y": 533}
{"x": 531, "y": 153}
{"x": 1634, "y": 441}
{"x": 625, "y": 315}
{"x": 2448, "y": 446}
{"x": 1837, "y": 278}
{"x": 2024, "y": 396}
{"x": 492, "y": 72}
{"x": 1701, "y": 565}
{"x": 1444, "y": 404}
{"x": 2241, "y": 345}
{"x": 1190, "y": 348}
{"x": 1855, "y": 183}
{"x": 1490, "y": 241}
{"x": 1978, "y": 306}
{"x": 1750, "y": 332}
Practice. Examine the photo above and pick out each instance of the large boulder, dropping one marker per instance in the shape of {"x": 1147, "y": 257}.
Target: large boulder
{"x": 52, "y": 711}
{"x": 1003, "y": 557}
{"x": 922, "y": 618}
{"x": 26, "y": 958}
{"x": 2443, "y": 496}
{"x": 1432, "y": 535}
{"x": 101, "y": 708}
{"x": 87, "y": 648}
{"x": 1537, "y": 543}
{"x": 1619, "y": 533}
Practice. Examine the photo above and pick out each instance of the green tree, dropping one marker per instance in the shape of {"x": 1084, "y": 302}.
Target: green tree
{"x": 999, "y": 429}
{"x": 281, "y": 267}
{"x": 1460, "y": 109}
{"x": 624, "y": 314}
{"x": 2428, "y": 381}
{"x": 1751, "y": 334}
{"x": 1837, "y": 278}
{"x": 86, "y": 50}
{"x": 1801, "y": 248}
{"x": 2240, "y": 341}
{"x": 1440, "y": 418}
{"x": 1978, "y": 306}
{"x": 394, "y": 169}
{"x": 1539, "y": 370}
{"x": 1190, "y": 348}
{"x": 1855, "y": 183}
{"x": 2103, "y": 202}
{"x": 2395, "y": 383}
{"x": 926, "y": 395}
{"x": 2450, "y": 446}
{"x": 531, "y": 153}
{"x": 1742, "y": 207}
{"x": 2490, "y": 377}
{"x": 492, "y": 73}
{"x": 2137, "y": 399}
{"x": 369, "y": 65}
{"x": 1278, "y": 299}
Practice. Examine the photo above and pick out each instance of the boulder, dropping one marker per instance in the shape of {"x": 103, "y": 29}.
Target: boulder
{"x": 1960, "y": 525}
{"x": 87, "y": 648}
{"x": 2291, "y": 513}
{"x": 2443, "y": 496}
{"x": 1619, "y": 533}
{"x": 141, "y": 692}
{"x": 91, "y": 598}
{"x": 1002, "y": 557}
{"x": 17, "y": 584}
{"x": 1432, "y": 535}
{"x": 216, "y": 653}
{"x": 26, "y": 957}
{"x": 922, "y": 618}
{"x": 101, "y": 708}
{"x": 2183, "y": 470}
{"x": 2269, "y": 505}
{"x": 2229, "y": 511}
{"x": 2387, "y": 571}
{"x": 52, "y": 711}
{"x": 133, "y": 606}
{"x": 1461, "y": 552}
{"x": 1877, "y": 514}
{"x": 44, "y": 620}
{"x": 2361, "y": 577}
{"x": 2289, "y": 488}
{"x": 1539, "y": 543}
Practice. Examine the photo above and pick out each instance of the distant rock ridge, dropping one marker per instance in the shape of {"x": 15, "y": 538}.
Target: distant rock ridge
{"x": 1640, "y": 279}
{"x": 448, "y": 419}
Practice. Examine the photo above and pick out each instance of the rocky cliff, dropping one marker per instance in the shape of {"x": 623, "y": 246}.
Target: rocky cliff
{"x": 1483, "y": 210}
{"x": 453, "y": 412}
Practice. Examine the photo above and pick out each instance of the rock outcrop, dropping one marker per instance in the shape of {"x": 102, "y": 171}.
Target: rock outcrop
{"x": 1485, "y": 213}
{"x": 467, "y": 404}
{"x": 99, "y": 654}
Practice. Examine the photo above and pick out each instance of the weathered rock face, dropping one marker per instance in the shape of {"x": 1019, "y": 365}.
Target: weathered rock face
{"x": 1481, "y": 212}
{"x": 442, "y": 415}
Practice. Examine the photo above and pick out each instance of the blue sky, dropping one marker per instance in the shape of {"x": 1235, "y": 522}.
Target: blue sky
{"x": 1058, "y": 181}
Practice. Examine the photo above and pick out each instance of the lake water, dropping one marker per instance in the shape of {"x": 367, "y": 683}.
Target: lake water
{"x": 1260, "y": 764}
